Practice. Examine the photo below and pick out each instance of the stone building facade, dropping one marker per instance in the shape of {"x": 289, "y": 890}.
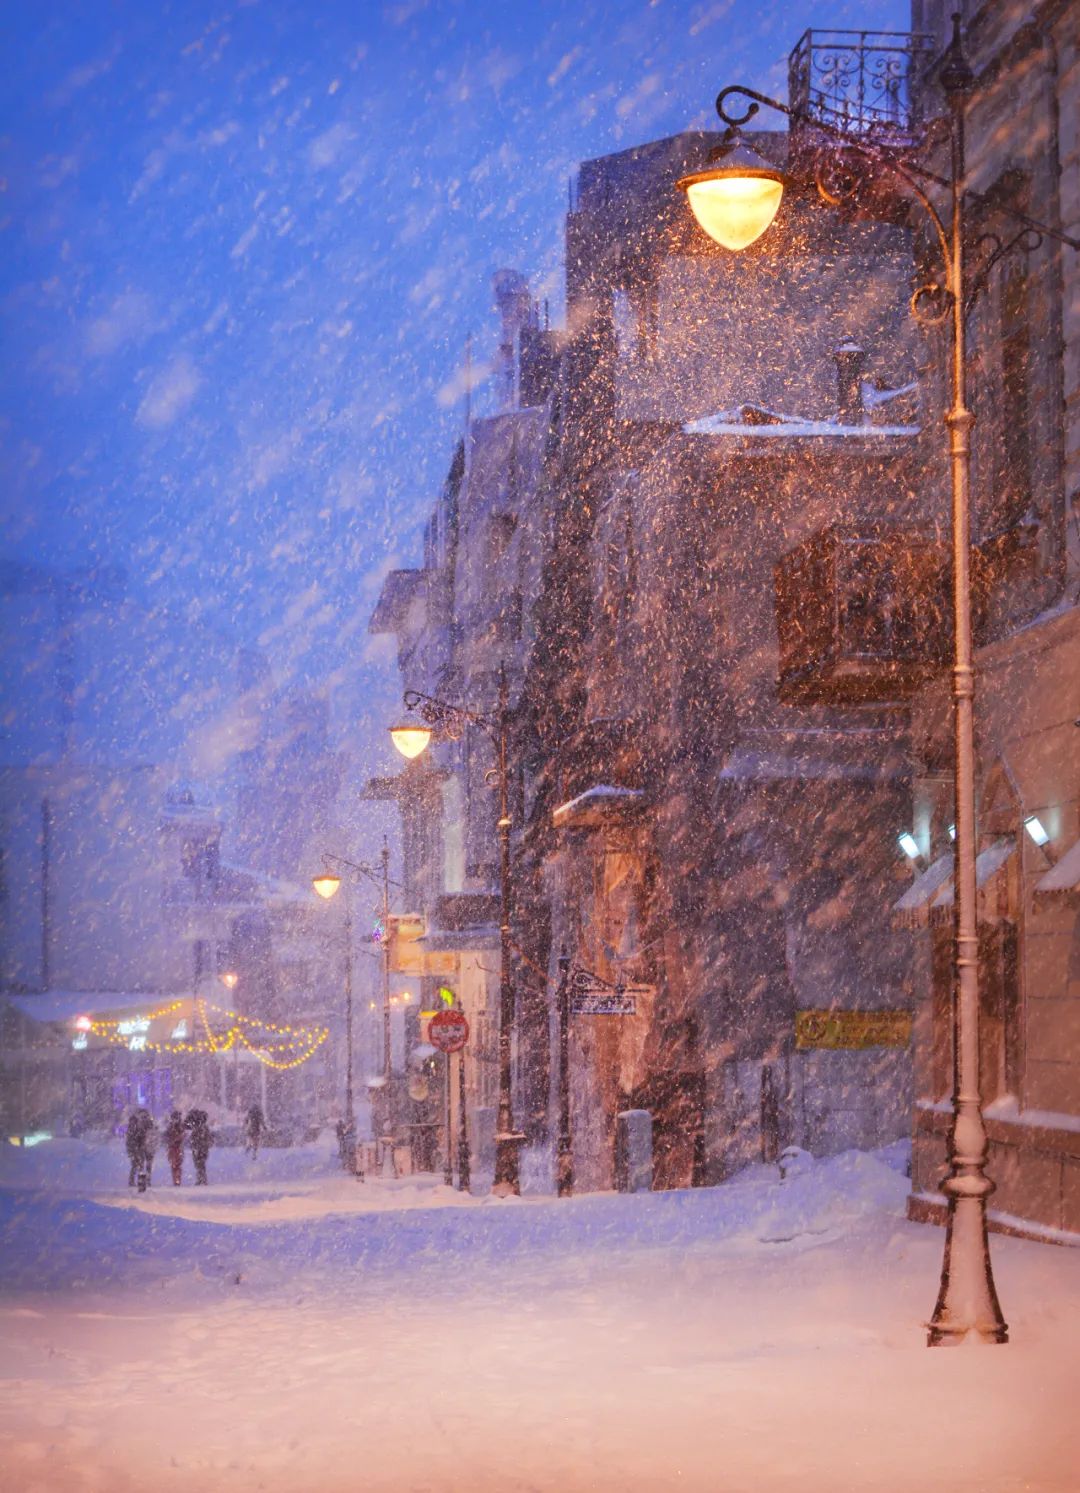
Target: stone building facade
{"x": 1024, "y": 152}
{"x": 707, "y": 535}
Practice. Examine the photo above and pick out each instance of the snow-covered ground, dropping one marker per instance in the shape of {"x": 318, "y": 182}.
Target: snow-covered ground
{"x": 291, "y": 1330}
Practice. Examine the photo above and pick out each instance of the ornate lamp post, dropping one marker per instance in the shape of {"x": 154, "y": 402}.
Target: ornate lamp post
{"x": 411, "y": 737}
{"x": 735, "y": 199}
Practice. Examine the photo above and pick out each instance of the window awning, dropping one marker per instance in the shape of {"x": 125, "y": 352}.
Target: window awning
{"x": 1062, "y": 878}
{"x": 987, "y": 864}
{"x": 597, "y": 805}
{"x": 912, "y": 910}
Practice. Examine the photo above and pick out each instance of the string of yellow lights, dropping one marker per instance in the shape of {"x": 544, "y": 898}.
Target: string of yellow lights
{"x": 311, "y": 1038}
{"x": 300, "y": 1043}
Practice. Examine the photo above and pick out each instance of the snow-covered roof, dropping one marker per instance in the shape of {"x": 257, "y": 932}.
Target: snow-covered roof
{"x": 1064, "y": 876}
{"x": 596, "y": 801}
{"x": 756, "y": 422}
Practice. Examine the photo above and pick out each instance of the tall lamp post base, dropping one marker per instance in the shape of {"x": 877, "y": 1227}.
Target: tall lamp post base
{"x": 967, "y": 1308}
{"x": 508, "y": 1145}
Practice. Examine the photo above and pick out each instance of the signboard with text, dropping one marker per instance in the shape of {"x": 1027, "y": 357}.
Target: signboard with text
{"x": 851, "y": 1030}
{"x": 598, "y": 998}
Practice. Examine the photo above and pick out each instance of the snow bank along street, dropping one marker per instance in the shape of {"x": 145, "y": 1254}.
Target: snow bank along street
{"x": 291, "y": 1330}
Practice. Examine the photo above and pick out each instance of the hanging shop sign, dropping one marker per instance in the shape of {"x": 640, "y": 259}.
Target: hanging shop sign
{"x": 851, "y": 1030}
{"x": 604, "y": 1003}
{"x": 448, "y": 1031}
{"x": 592, "y": 995}
{"x": 413, "y": 959}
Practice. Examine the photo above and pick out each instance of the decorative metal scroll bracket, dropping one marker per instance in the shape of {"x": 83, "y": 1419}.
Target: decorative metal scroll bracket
{"x": 836, "y": 182}
{"x": 995, "y": 250}
{"x": 452, "y": 719}
{"x": 373, "y": 873}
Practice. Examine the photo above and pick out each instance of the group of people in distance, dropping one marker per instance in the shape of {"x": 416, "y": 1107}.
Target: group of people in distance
{"x": 192, "y": 1129}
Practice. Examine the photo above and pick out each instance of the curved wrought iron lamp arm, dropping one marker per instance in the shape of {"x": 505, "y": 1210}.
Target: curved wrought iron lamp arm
{"x": 834, "y": 196}
{"x": 443, "y": 713}
{"x": 736, "y": 121}
{"x": 360, "y": 867}
{"x": 1024, "y": 242}
{"x": 1030, "y": 236}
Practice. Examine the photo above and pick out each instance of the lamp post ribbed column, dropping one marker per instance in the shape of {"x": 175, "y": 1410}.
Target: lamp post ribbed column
{"x": 967, "y": 1301}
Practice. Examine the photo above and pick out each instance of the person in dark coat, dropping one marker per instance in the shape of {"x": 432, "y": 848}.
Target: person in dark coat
{"x": 174, "y": 1146}
{"x": 151, "y": 1137}
{"x": 197, "y": 1124}
{"x": 253, "y": 1129}
{"x": 135, "y": 1144}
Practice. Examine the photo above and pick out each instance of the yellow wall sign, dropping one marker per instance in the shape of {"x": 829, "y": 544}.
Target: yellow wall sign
{"x": 852, "y": 1030}
{"x": 410, "y": 959}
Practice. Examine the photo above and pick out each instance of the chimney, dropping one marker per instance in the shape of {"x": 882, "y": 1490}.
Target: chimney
{"x": 850, "y": 359}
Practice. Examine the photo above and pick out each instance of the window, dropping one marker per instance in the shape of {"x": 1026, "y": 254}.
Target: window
{"x": 1016, "y": 398}
{"x": 501, "y": 528}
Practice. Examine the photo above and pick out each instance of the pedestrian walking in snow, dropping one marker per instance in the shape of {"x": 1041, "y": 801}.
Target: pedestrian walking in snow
{"x": 197, "y": 1124}
{"x": 134, "y": 1143}
{"x": 174, "y": 1146}
{"x": 151, "y": 1137}
{"x": 253, "y": 1129}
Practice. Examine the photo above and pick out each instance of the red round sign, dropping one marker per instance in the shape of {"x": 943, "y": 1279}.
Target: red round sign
{"x": 448, "y": 1031}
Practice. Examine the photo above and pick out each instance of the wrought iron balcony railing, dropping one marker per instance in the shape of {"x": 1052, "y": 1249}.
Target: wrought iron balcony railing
{"x": 863, "y": 82}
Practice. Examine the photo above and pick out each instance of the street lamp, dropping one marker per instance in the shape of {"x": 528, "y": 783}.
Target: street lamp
{"x": 737, "y": 196}
{"x": 327, "y": 885}
{"x": 453, "y": 719}
{"x": 967, "y": 1305}
{"x": 410, "y": 736}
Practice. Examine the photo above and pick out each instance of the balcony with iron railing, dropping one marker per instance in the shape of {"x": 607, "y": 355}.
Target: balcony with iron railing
{"x": 865, "y": 83}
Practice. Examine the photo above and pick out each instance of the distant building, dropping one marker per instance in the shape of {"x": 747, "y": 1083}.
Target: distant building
{"x": 117, "y": 893}
{"x": 614, "y": 545}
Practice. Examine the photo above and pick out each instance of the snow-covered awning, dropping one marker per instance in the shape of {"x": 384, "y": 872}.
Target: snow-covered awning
{"x": 1062, "y": 878}
{"x": 912, "y": 910}
{"x": 459, "y": 940}
{"x": 754, "y": 422}
{"x": 749, "y": 765}
{"x": 596, "y": 805}
{"x": 987, "y": 864}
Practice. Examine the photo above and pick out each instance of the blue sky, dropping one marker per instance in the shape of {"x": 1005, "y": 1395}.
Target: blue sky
{"x": 243, "y": 247}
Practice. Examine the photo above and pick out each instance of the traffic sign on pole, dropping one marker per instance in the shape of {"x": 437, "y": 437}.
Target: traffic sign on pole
{"x": 448, "y": 1031}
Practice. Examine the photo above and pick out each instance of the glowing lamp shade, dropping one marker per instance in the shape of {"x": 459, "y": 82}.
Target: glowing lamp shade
{"x": 909, "y": 845}
{"x": 230, "y": 979}
{"x": 736, "y": 197}
{"x": 410, "y": 737}
{"x": 326, "y": 884}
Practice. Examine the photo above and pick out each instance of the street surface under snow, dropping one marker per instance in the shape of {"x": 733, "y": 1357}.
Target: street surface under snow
{"x": 289, "y": 1329}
